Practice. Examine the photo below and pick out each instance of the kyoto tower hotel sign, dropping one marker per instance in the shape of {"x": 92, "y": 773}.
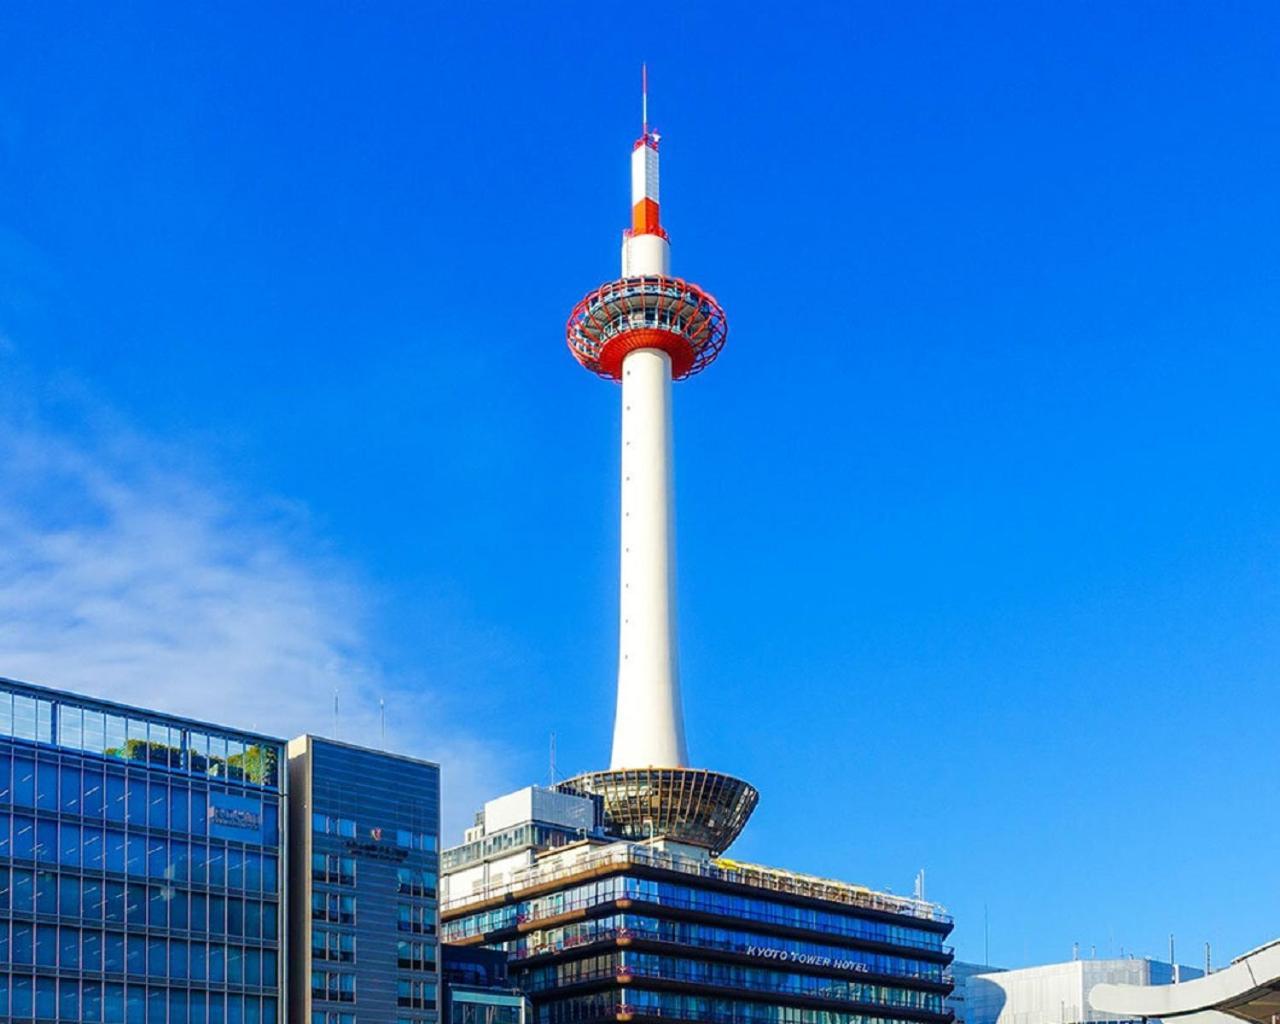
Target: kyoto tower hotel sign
{"x": 645, "y": 330}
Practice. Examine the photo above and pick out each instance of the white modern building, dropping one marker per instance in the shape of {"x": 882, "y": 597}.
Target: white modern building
{"x": 1058, "y": 993}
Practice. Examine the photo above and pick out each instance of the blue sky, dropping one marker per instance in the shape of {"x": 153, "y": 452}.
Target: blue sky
{"x": 979, "y": 512}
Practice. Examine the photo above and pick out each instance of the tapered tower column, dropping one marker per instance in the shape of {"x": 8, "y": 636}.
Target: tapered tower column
{"x": 645, "y": 330}
{"x": 648, "y": 728}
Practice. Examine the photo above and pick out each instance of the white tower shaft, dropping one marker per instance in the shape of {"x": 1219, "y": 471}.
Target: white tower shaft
{"x": 648, "y": 729}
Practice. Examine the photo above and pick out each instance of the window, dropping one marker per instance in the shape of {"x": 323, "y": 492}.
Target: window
{"x": 335, "y": 986}
{"x": 417, "y": 995}
{"x": 416, "y": 882}
{"x": 329, "y": 906}
{"x": 416, "y": 956}
{"x": 330, "y": 944}
{"x": 333, "y": 869}
{"x": 417, "y": 919}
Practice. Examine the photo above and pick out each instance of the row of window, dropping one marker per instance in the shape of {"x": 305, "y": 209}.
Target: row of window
{"x": 484, "y": 1013}
{"x": 93, "y": 952}
{"x": 416, "y": 995}
{"x": 137, "y": 798}
{"x": 23, "y": 997}
{"x": 335, "y": 986}
{"x": 420, "y": 920}
{"x": 692, "y": 1008}
{"x": 332, "y": 869}
{"x": 171, "y": 746}
{"x": 326, "y": 824}
{"x": 416, "y": 956}
{"x": 96, "y": 849}
{"x": 722, "y": 975}
{"x": 330, "y": 906}
{"x": 135, "y": 904}
{"x": 416, "y": 882}
{"x": 703, "y": 936}
{"x": 690, "y": 898}
{"x": 334, "y": 945}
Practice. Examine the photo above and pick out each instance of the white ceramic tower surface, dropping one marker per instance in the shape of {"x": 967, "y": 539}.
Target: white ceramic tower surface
{"x": 648, "y": 729}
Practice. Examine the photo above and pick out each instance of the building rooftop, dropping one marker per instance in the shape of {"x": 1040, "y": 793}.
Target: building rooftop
{"x": 588, "y": 860}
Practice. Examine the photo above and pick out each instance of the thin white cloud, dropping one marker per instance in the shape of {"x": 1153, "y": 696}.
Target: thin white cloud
{"x": 127, "y": 575}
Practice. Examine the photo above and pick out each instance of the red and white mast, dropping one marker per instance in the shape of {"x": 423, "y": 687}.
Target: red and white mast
{"x": 646, "y": 330}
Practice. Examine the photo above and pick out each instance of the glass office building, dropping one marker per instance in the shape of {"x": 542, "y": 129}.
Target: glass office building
{"x": 365, "y": 828}
{"x": 140, "y": 865}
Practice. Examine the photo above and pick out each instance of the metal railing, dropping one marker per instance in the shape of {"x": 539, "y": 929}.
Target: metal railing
{"x": 562, "y": 867}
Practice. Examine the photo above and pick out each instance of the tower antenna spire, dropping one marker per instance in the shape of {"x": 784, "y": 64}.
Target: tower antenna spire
{"x": 644, "y": 100}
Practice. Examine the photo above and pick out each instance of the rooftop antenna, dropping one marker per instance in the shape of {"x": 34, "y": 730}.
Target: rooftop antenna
{"x": 1075, "y": 951}
{"x": 551, "y": 768}
{"x": 1208, "y": 960}
{"x": 920, "y": 885}
{"x": 382, "y": 720}
{"x": 644, "y": 100}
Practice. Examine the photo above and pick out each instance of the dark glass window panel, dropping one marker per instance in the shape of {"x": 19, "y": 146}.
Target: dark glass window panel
{"x": 91, "y": 950}
{"x": 177, "y": 1007}
{"x": 70, "y": 845}
{"x": 135, "y": 1005}
{"x": 6, "y": 768}
{"x": 157, "y": 857}
{"x": 179, "y": 808}
{"x": 70, "y": 782}
{"x": 136, "y": 808}
{"x": 46, "y": 998}
{"x": 217, "y": 865}
{"x": 178, "y": 959}
{"x": 158, "y": 913}
{"x": 199, "y": 961}
{"x": 91, "y": 903}
{"x": 69, "y": 896}
{"x": 158, "y": 808}
{"x": 94, "y": 793}
{"x": 46, "y": 893}
{"x": 112, "y": 1003}
{"x": 199, "y": 811}
{"x": 91, "y": 1002}
{"x": 270, "y": 921}
{"x": 199, "y": 863}
{"x": 270, "y": 823}
{"x": 235, "y": 917}
{"x": 252, "y": 919}
{"x": 179, "y": 919}
{"x": 135, "y": 947}
{"x": 235, "y": 966}
{"x": 21, "y": 997}
{"x": 217, "y": 915}
{"x": 69, "y": 999}
{"x": 253, "y": 872}
{"x": 93, "y": 848}
{"x": 6, "y": 833}
{"x": 46, "y": 945}
{"x": 116, "y": 797}
{"x": 24, "y": 837}
{"x": 235, "y": 869}
{"x": 136, "y": 854}
{"x": 46, "y": 785}
{"x": 217, "y": 963}
{"x": 115, "y": 902}
{"x": 136, "y": 903}
{"x": 157, "y": 958}
{"x": 114, "y": 952}
{"x": 199, "y": 912}
{"x": 180, "y": 858}
{"x": 23, "y": 943}
{"x": 46, "y": 841}
{"x": 5, "y": 889}
{"x": 270, "y": 874}
{"x": 24, "y": 782}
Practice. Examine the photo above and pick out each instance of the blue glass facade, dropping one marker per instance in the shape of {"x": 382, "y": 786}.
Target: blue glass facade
{"x": 626, "y": 934}
{"x": 141, "y": 879}
{"x": 365, "y": 858}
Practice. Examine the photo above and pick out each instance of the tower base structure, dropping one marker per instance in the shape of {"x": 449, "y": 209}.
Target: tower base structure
{"x": 684, "y": 805}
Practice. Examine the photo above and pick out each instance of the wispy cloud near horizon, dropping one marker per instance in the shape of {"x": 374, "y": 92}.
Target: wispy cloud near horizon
{"x": 127, "y": 574}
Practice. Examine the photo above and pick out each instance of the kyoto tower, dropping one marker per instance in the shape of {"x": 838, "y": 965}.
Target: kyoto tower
{"x": 645, "y": 330}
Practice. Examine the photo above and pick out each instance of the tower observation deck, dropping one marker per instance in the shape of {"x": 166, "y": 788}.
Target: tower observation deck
{"x": 645, "y": 330}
